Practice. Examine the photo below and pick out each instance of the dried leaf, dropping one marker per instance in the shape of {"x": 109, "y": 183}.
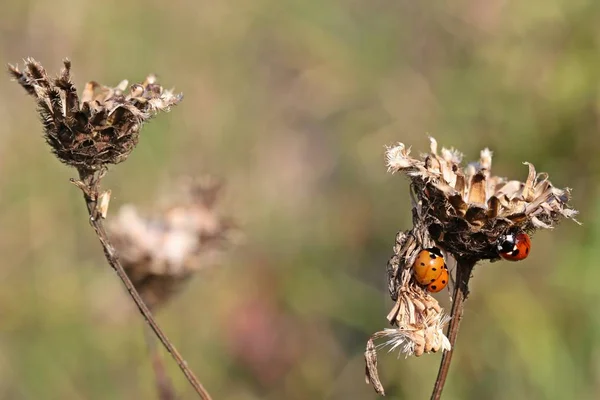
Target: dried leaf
{"x": 371, "y": 373}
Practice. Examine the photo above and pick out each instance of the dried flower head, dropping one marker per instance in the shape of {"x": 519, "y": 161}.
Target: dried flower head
{"x": 161, "y": 251}
{"x": 103, "y": 126}
{"x": 463, "y": 212}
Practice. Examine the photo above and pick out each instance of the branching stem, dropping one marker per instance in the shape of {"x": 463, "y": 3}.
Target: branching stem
{"x": 88, "y": 183}
{"x": 461, "y": 292}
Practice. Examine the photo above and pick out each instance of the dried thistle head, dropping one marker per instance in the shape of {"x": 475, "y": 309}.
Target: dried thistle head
{"x": 161, "y": 251}
{"x": 103, "y": 126}
{"x": 463, "y": 212}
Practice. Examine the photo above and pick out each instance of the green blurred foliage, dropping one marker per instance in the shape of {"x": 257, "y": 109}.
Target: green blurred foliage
{"x": 292, "y": 101}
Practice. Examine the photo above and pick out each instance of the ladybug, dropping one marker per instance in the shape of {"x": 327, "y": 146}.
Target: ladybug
{"x": 429, "y": 266}
{"x": 439, "y": 283}
{"x": 514, "y": 246}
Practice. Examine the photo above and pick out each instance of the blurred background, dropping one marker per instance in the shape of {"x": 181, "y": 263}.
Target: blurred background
{"x": 291, "y": 102}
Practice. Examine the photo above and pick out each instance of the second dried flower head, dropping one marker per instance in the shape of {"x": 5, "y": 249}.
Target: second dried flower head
{"x": 470, "y": 215}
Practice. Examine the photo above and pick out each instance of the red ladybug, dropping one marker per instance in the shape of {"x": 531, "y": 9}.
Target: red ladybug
{"x": 429, "y": 265}
{"x": 514, "y": 246}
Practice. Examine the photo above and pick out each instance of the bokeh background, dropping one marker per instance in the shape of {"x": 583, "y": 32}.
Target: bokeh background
{"x": 292, "y": 102}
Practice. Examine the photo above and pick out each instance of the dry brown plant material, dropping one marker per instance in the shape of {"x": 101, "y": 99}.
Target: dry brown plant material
{"x": 161, "y": 250}
{"x": 88, "y": 132}
{"x": 100, "y": 127}
{"x": 463, "y": 211}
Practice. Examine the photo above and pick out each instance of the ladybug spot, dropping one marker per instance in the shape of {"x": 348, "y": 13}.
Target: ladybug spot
{"x": 445, "y": 267}
{"x": 434, "y": 269}
{"x": 527, "y": 250}
{"x": 433, "y": 287}
{"x": 433, "y": 280}
{"x": 422, "y": 264}
{"x": 444, "y": 282}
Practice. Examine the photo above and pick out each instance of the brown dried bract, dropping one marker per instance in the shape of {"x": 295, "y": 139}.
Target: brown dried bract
{"x": 161, "y": 251}
{"x": 103, "y": 126}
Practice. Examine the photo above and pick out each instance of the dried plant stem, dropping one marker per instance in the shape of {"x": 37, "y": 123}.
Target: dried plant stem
{"x": 164, "y": 386}
{"x": 89, "y": 182}
{"x": 461, "y": 292}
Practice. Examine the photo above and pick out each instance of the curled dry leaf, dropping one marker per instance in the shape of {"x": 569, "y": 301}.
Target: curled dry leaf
{"x": 103, "y": 126}
{"x": 371, "y": 373}
{"x": 462, "y": 211}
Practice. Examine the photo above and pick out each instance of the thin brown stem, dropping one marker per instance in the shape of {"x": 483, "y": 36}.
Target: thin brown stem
{"x": 461, "y": 292}
{"x": 164, "y": 386}
{"x": 89, "y": 185}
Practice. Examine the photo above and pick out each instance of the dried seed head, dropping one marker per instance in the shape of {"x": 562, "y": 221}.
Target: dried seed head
{"x": 100, "y": 128}
{"x": 465, "y": 211}
{"x": 160, "y": 252}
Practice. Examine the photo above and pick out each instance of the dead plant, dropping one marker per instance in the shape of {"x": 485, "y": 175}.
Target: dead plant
{"x": 464, "y": 212}
{"x": 91, "y": 131}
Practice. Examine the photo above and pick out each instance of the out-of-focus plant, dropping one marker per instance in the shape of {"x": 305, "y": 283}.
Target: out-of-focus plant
{"x": 88, "y": 132}
{"x": 161, "y": 249}
{"x": 469, "y": 215}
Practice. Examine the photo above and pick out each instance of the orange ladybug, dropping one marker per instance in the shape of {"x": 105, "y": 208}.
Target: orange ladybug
{"x": 439, "y": 283}
{"x": 514, "y": 246}
{"x": 429, "y": 265}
